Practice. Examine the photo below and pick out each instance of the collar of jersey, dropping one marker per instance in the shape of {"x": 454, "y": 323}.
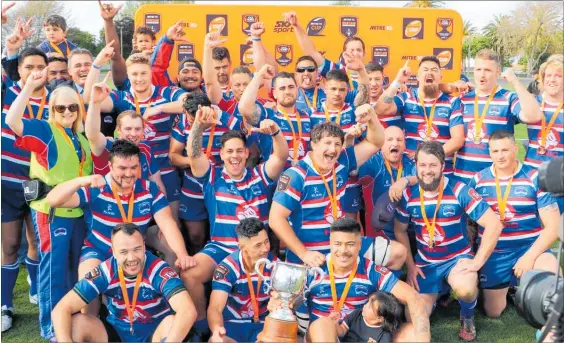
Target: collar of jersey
{"x": 517, "y": 171}
{"x": 223, "y": 170}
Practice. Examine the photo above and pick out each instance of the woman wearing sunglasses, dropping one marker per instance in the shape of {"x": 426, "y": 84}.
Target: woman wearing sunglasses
{"x": 59, "y": 152}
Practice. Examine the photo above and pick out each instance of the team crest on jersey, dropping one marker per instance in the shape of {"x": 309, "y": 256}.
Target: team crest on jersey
{"x": 422, "y": 131}
{"x": 150, "y": 131}
{"x": 474, "y": 195}
{"x": 256, "y": 190}
{"x": 145, "y": 207}
{"x": 449, "y": 211}
{"x": 520, "y": 191}
{"x": 442, "y": 112}
{"x": 328, "y": 213}
{"x": 552, "y": 139}
{"x": 472, "y": 132}
{"x": 220, "y": 272}
{"x": 361, "y": 290}
{"x": 247, "y": 211}
{"x": 439, "y": 235}
{"x": 93, "y": 274}
{"x": 301, "y": 149}
{"x": 283, "y": 182}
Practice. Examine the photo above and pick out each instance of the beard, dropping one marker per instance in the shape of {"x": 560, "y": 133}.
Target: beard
{"x": 430, "y": 90}
{"x": 433, "y": 185}
{"x": 223, "y": 78}
{"x": 288, "y": 103}
{"x": 184, "y": 84}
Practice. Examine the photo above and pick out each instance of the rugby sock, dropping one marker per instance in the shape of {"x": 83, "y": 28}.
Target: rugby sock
{"x": 9, "y": 277}
{"x": 32, "y": 266}
{"x": 467, "y": 309}
{"x": 201, "y": 325}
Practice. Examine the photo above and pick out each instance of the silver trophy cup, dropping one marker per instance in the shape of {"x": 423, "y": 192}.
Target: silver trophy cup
{"x": 288, "y": 279}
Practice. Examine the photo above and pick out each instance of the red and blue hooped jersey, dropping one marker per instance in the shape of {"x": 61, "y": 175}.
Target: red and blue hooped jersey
{"x": 554, "y": 143}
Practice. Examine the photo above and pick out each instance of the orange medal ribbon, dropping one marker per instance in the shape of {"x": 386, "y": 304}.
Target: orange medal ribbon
{"x": 313, "y": 104}
{"x": 129, "y": 218}
{"x": 502, "y": 202}
{"x": 338, "y": 305}
{"x": 428, "y": 119}
{"x": 41, "y": 107}
{"x": 254, "y": 298}
{"x": 70, "y": 143}
{"x": 130, "y": 307}
{"x": 431, "y": 226}
{"x": 337, "y": 120}
{"x": 332, "y": 196}
{"x": 389, "y": 168}
{"x": 478, "y": 122}
{"x": 545, "y": 129}
{"x": 296, "y": 139}
{"x": 137, "y": 108}
{"x": 56, "y": 48}
{"x": 210, "y": 142}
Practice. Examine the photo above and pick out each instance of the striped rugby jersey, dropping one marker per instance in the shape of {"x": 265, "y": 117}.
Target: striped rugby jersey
{"x": 523, "y": 224}
{"x": 447, "y": 115}
{"x": 229, "y": 201}
{"x": 503, "y": 114}
{"x": 158, "y": 128}
{"x": 15, "y": 161}
{"x": 301, "y": 190}
{"x": 451, "y": 238}
{"x": 159, "y": 283}
{"x": 368, "y": 279}
{"x": 390, "y": 120}
{"x": 102, "y": 214}
{"x": 230, "y": 276}
{"x": 554, "y": 139}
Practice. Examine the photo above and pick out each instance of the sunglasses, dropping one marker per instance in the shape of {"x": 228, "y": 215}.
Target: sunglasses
{"x": 62, "y": 108}
{"x": 309, "y": 69}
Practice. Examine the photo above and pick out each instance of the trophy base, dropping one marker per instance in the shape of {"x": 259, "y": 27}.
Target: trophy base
{"x": 280, "y": 331}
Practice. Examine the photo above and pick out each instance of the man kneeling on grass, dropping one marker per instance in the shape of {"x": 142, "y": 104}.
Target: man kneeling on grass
{"x": 130, "y": 274}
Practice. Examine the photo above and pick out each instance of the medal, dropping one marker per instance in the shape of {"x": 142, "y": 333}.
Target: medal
{"x": 296, "y": 139}
{"x": 353, "y": 173}
{"x": 431, "y": 226}
{"x": 479, "y": 121}
{"x": 545, "y": 128}
{"x": 428, "y": 119}
{"x": 130, "y": 307}
{"x": 338, "y": 304}
{"x": 502, "y": 201}
{"x": 129, "y": 217}
{"x": 254, "y": 297}
{"x": 541, "y": 150}
{"x": 333, "y": 202}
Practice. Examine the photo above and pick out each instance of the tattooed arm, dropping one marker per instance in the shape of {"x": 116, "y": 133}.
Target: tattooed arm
{"x": 419, "y": 316}
{"x": 362, "y": 96}
{"x": 198, "y": 160}
{"x": 247, "y": 104}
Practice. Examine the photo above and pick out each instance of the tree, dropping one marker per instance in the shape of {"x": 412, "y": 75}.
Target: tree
{"x": 540, "y": 26}
{"x": 131, "y": 7}
{"x": 83, "y": 39}
{"x": 475, "y": 44}
{"x": 425, "y": 4}
{"x": 467, "y": 31}
{"x": 502, "y": 34}
{"x": 39, "y": 10}
{"x": 344, "y": 3}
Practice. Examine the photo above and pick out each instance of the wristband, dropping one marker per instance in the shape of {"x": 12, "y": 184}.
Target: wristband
{"x": 95, "y": 66}
{"x": 396, "y": 84}
{"x": 275, "y": 133}
{"x": 256, "y": 39}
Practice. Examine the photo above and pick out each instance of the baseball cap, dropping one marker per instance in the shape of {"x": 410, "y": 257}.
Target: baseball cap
{"x": 383, "y": 212}
{"x": 189, "y": 62}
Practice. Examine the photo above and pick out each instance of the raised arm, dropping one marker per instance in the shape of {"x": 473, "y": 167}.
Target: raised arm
{"x": 218, "y": 300}
{"x": 304, "y": 41}
{"x": 199, "y": 162}
{"x": 261, "y": 56}
{"x": 184, "y": 317}
{"x": 96, "y": 138}
{"x": 15, "y": 113}
{"x": 70, "y": 304}
{"x": 160, "y": 59}
{"x": 247, "y": 104}
{"x": 18, "y": 36}
{"x": 355, "y": 64}
{"x": 374, "y": 134}
{"x": 119, "y": 70}
{"x": 275, "y": 163}
{"x": 94, "y": 75}
{"x": 65, "y": 195}
{"x": 530, "y": 109}
{"x": 386, "y": 105}
{"x": 213, "y": 88}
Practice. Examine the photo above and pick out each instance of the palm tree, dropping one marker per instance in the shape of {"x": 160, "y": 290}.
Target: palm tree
{"x": 467, "y": 32}
{"x": 425, "y": 4}
{"x": 501, "y": 33}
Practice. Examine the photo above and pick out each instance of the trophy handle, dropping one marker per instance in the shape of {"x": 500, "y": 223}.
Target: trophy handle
{"x": 267, "y": 264}
{"x": 318, "y": 276}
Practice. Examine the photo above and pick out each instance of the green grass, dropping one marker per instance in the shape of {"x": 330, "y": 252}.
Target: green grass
{"x": 444, "y": 322}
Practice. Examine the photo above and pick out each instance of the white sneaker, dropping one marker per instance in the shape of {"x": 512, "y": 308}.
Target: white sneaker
{"x": 7, "y": 314}
{"x": 32, "y": 298}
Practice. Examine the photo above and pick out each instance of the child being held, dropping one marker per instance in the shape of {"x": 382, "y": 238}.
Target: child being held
{"x": 55, "y": 28}
{"x": 376, "y": 321}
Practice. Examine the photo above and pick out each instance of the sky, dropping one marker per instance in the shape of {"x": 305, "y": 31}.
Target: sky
{"x": 85, "y": 13}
